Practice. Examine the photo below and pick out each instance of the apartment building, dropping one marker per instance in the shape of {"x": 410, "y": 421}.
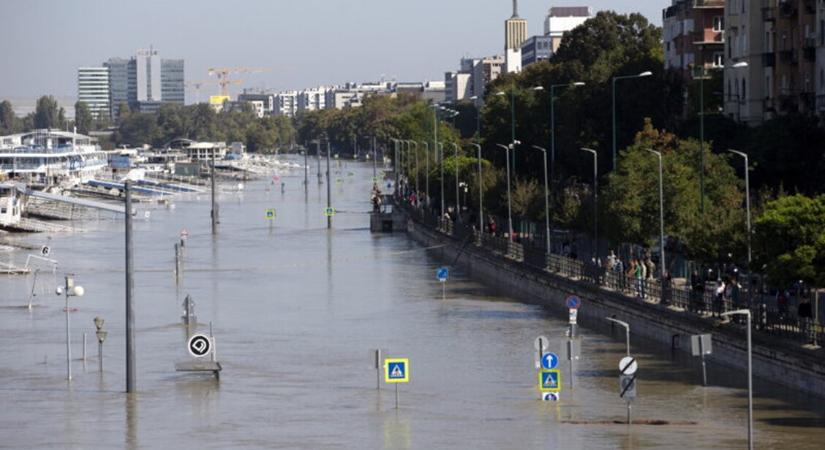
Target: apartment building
{"x": 694, "y": 36}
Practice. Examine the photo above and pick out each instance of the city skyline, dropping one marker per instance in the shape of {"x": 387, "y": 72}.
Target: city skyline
{"x": 245, "y": 37}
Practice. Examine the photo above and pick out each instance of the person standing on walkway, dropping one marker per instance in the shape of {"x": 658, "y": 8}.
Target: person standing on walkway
{"x": 618, "y": 270}
{"x": 642, "y": 277}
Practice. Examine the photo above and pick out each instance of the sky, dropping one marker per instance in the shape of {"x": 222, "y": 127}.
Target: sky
{"x": 303, "y": 43}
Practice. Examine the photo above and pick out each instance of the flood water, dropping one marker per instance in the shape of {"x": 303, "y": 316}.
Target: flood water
{"x": 295, "y": 309}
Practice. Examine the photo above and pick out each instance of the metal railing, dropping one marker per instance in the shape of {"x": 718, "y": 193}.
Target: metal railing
{"x": 701, "y": 302}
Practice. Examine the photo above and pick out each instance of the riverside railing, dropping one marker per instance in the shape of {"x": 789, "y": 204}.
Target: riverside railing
{"x": 701, "y": 303}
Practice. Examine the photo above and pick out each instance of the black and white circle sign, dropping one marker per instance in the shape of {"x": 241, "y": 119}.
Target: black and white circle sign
{"x": 45, "y": 250}
{"x": 199, "y": 345}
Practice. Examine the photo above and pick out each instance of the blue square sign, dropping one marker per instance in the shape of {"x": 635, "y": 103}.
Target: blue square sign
{"x": 549, "y": 380}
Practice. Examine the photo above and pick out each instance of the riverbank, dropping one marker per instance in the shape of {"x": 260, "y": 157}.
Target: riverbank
{"x": 776, "y": 360}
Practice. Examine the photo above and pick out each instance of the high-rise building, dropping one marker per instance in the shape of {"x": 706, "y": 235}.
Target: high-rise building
{"x": 458, "y": 86}
{"x": 122, "y": 83}
{"x": 535, "y": 49}
{"x": 515, "y": 33}
{"x": 694, "y": 36}
{"x": 93, "y": 89}
{"x": 148, "y": 75}
{"x": 286, "y": 104}
{"x": 312, "y": 99}
{"x": 486, "y": 70}
{"x": 562, "y": 19}
{"x": 172, "y": 81}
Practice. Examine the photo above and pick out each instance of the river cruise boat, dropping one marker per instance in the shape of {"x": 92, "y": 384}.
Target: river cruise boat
{"x": 47, "y": 157}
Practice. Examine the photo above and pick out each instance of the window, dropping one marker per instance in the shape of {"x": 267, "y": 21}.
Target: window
{"x": 743, "y": 90}
{"x": 718, "y": 59}
{"x": 718, "y": 23}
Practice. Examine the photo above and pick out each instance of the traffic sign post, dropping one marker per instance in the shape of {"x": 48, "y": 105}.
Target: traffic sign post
{"x": 701, "y": 345}
{"x": 573, "y": 352}
{"x": 396, "y": 370}
{"x": 329, "y": 211}
{"x": 199, "y": 345}
{"x": 442, "y": 274}
{"x": 627, "y": 381}
{"x": 549, "y": 380}
{"x": 540, "y": 344}
{"x": 549, "y": 361}
{"x": 270, "y": 214}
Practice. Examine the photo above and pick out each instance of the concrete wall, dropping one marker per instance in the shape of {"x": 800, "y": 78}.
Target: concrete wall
{"x": 791, "y": 367}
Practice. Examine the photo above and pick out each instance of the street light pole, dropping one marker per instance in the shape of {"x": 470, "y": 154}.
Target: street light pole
{"x": 626, "y": 331}
{"x": 509, "y": 203}
{"x": 661, "y": 218}
{"x": 747, "y": 202}
{"x": 747, "y": 312}
{"x": 457, "y": 202}
{"x": 546, "y": 201}
{"x": 329, "y": 190}
{"x": 480, "y": 193}
{"x": 374, "y": 162}
{"x": 595, "y": 200}
{"x": 440, "y": 155}
{"x": 417, "y": 169}
{"x": 130, "y": 285}
{"x": 214, "y": 206}
{"x": 553, "y": 122}
{"x": 615, "y": 79}
{"x": 427, "y": 172}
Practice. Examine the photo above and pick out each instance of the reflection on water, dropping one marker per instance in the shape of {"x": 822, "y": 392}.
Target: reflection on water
{"x": 295, "y": 308}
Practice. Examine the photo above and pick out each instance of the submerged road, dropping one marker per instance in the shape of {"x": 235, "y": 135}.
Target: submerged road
{"x": 295, "y": 309}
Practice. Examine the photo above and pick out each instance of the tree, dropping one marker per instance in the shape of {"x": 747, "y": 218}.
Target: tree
{"x": 48, "y": 114}
{"x": 631, "y": 197}
{"x": 83, "y": 117}
{"x": 789, "y": 240}
{"x": 8, "y": 121}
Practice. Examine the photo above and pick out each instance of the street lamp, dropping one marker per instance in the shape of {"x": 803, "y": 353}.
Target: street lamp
{"x": 661, "y": 218}
{"x": 477, "y": 103}
{"x": 595, "y": 199}
{"x": 509, "y": 203}
{"x": 417, "y": 169}
{"x": 440, "y": 155}
{"x": 457, "y": 203}
{"x": 427, "y": 172}
{"x": 546, "y": 201}
{"x": 69, "y": 290}
{"x": 747, "y": 312}
{"x": 626, "y": 331}
{"x": 480, "y": 193}
{"x": 553, "y": 122}
{"x": 615, "y": 79}
{"x": 512, "y": 122}
{"x": 747, "y": 203}
{"x": 101, "y": 336}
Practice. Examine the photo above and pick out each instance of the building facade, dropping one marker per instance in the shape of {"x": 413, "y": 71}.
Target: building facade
{"x": 93, "y": 89}
{"x": 535, "y": 49}
{"x": 286, "y": 104}
{"x": 562, "y": 19}
{"x": 457, "y": 86}
{"x": 312, "y": 99}
{"x": 515, "y": 33}
{"x": 122, "y": 83}
{"x": 148, "y": 75}
{"x": 172, "y": 81}
{"x": 694, "y": 36}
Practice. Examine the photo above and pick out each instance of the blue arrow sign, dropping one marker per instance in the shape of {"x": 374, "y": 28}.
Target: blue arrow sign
{"x": 549, "y": 360}
{"x": 442, "y": 273}
{"x": 573, "y": 302}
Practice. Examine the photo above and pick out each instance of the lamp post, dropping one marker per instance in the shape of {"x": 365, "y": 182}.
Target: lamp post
{"x": 131, "y": 366}
{"x": 427, "y": 172}
{"x": 509, "y": 203}
{"x": 512, "y": 122}
{"x": 457, "y": 203}
{"x": 415, "y": 152}
{"x": 69, "y": 290}
{"x": 101, "y": 336}
{"x": 595, "y": 199}
{"x": 553, "y": 120}
{"x": 546, "y": 201}
{"x": 747, "y": 313}
{"x": 661, "y": 218}
{"x": 747, "y": 203}
{"x": 477, "y": 103}
{"x": 395, "y": 164}
{"x": 480, "y": 193}
{"x": 440, "y": 155}
{"x": 626, "y": 331}
{"x": 615, "y": 79}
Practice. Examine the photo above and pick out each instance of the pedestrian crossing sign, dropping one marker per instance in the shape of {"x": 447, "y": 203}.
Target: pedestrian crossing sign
{"x": 397, "y": 370}
{"x": 549, "y": 380}
{"x": 270, "y": 214}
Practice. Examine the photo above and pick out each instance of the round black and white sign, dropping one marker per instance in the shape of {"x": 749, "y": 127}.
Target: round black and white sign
{"x": 45, "y": 250}
{"x": 199, "y": 345}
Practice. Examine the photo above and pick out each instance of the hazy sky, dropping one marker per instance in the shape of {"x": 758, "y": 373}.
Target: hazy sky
{"x": 304, "y": 42}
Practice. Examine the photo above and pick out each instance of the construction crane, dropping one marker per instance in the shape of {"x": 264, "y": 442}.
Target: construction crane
{"x": 223, "y": 76}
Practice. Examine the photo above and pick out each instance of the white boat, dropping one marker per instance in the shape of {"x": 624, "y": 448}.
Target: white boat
{"x": 47, "y": 157}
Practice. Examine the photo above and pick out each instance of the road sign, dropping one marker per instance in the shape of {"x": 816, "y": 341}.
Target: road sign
{"x": 442, "y": 274}
{"x": 146, "y": 214}
{"x": 549, "y": 360}
{"x": 700, "y": 345}
{"x": 45, "y": 250}
{"x": 199, "y": 345}
{"x": 627, "y": 387}
{"x": 574, "y": 313}
{"x": 573, "y": 302}
{"x": 270, "y": 214}
{"x": 549, "y": 380}
{"x": 541, "y": 343}
{"x": 329, "y": 212}
{"x": 550, "y": 396}
{"x": 628, "y": 365}
{"x": 397, "y": 370}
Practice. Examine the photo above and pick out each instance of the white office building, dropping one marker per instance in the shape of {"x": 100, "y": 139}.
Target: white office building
{"x": 93, "y": 89}
{"x": 561, "y": 19}
{"x": 148, "y": 76}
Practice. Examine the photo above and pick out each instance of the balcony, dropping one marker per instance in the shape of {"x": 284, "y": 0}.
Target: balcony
{"x": 708, "y": 3}
{"x": 769, "y": 14}
{"x": 789, "y": 56}
{"x": 769, "y": 59}
{"x": 708, "y": 37}
{"x": 788, "y": 8}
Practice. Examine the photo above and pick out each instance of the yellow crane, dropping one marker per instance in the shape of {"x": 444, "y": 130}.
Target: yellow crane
{"x": 223, "y": 74}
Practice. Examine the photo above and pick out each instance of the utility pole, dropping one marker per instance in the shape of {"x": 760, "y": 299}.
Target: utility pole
{"x": 306, "y": 169}
{"x": 374, "y": 163}
{"x": 329, "y": 190}
{"x": 130, "y": 311}
{"x": 214, "y": 206}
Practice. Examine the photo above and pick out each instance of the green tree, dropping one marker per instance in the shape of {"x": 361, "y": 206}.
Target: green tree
{"x": 48, "y": 114}
{"x": 8, "y": 121}
{"x": 83, "y": 117}
{"x": 789, "y": 240}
